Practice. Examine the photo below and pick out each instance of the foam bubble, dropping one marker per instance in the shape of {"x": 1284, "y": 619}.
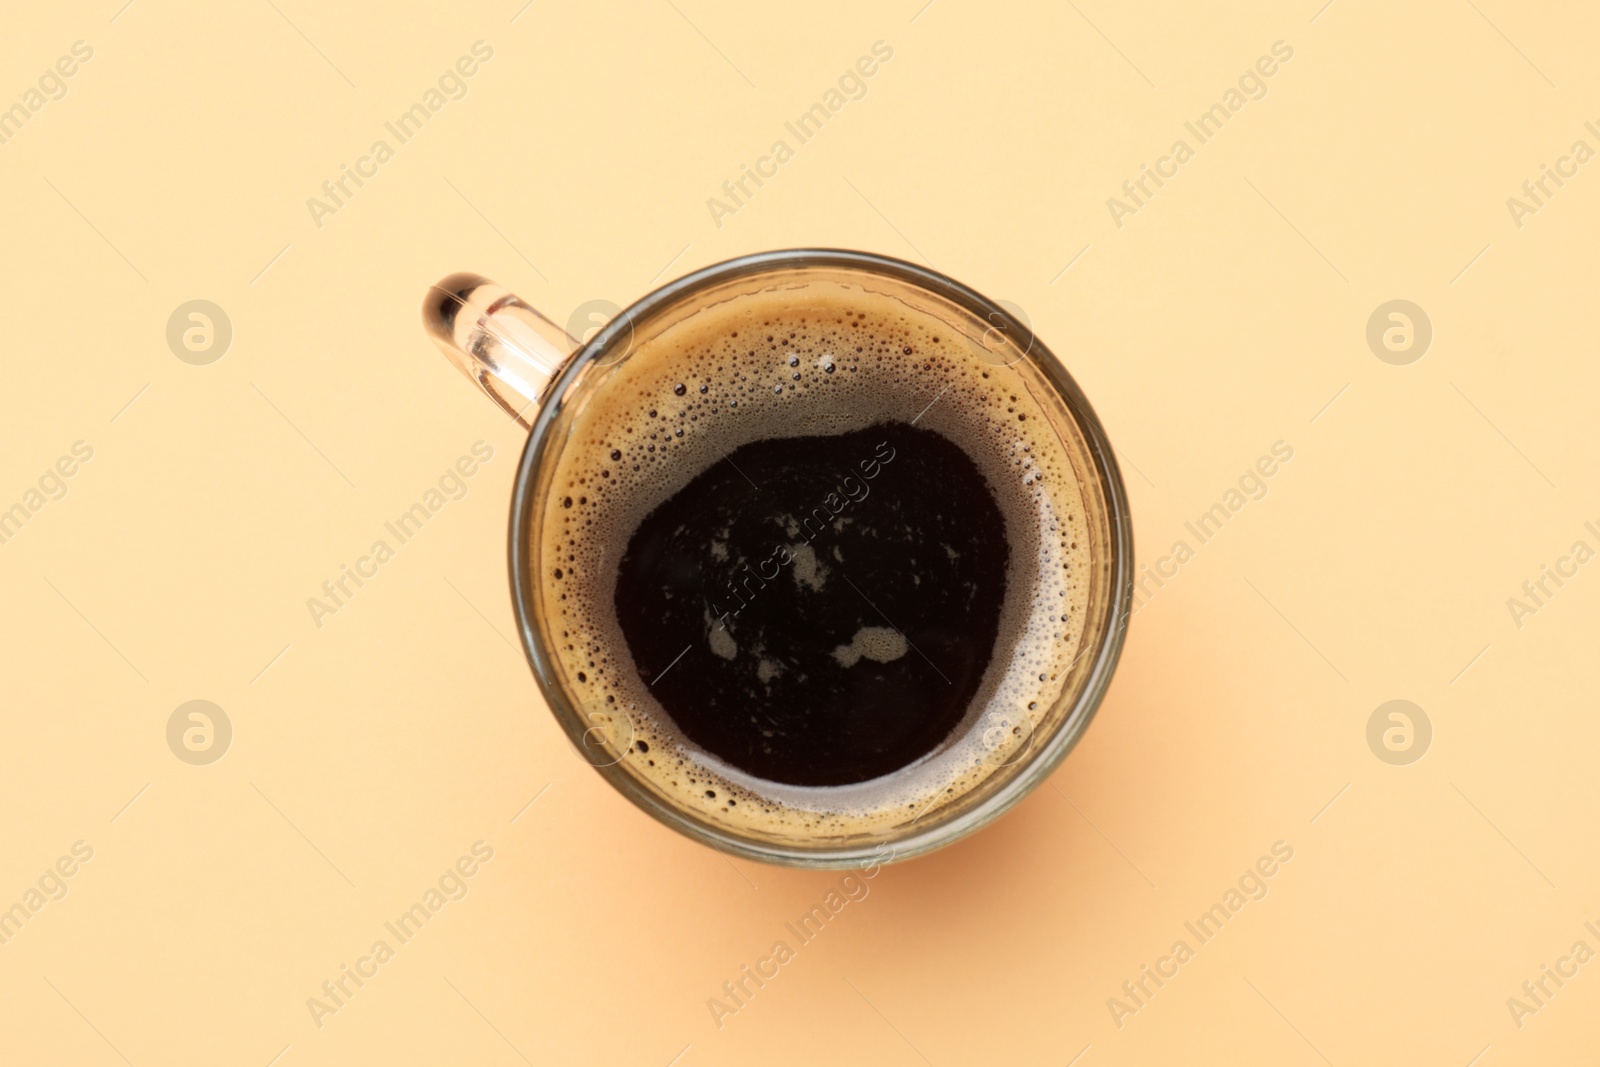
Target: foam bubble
{"x": 881, "y": 644}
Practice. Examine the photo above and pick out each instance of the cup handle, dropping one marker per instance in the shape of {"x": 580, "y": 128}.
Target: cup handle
{"x": 497, "y": 340}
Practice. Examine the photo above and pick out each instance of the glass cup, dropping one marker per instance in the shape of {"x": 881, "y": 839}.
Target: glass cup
{"x": 543, "y": 378}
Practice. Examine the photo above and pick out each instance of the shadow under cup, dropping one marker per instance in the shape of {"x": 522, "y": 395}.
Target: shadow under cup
{"x": 602, "y": 735}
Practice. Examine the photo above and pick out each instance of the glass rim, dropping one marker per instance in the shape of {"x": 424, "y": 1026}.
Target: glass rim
{"x": 1038, "y": 765}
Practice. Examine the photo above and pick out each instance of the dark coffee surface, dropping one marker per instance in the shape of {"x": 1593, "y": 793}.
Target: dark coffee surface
{"x": 819, "y": 610}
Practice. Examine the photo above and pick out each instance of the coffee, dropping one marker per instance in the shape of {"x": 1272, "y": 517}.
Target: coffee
{"x": 813, "y": 561}
{"x": 819, "y": 610}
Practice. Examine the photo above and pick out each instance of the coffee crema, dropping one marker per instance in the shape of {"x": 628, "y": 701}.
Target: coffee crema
{"x": 777, "y": 649}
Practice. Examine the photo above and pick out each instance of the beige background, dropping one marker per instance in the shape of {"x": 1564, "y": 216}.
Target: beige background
{"x": 1227, "y": 314}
